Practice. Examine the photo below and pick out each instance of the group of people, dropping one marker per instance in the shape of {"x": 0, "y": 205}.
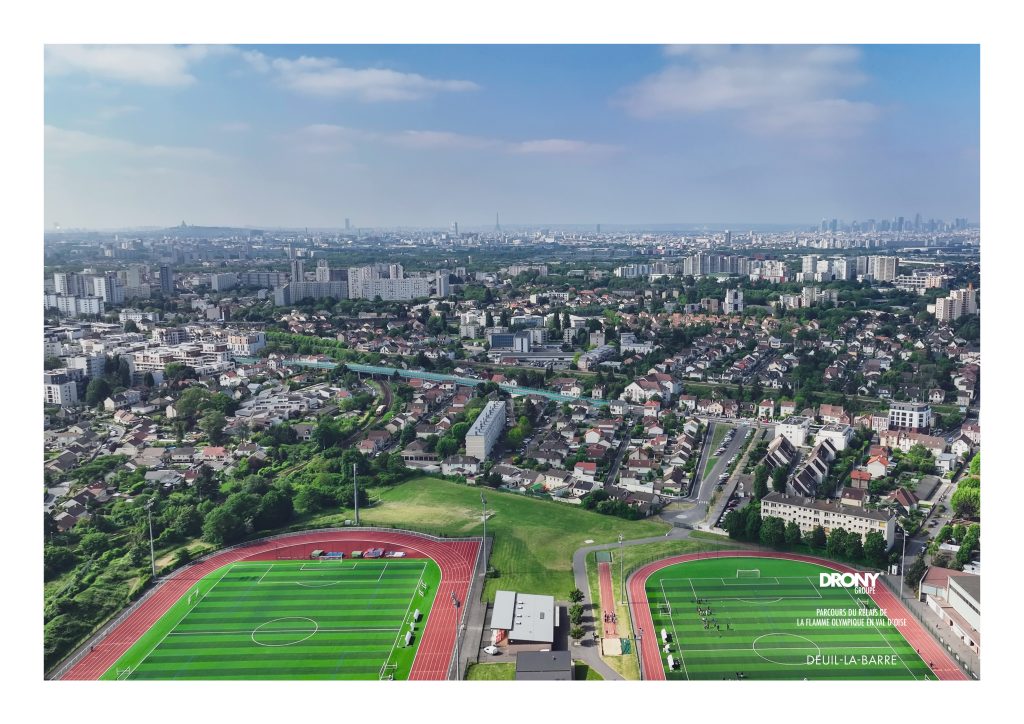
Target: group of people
{"x": 611, "y": 618}
{"x": 708, "y": 618}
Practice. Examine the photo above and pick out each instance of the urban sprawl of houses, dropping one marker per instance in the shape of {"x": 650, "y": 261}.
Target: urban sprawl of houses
{"x": 828, "y": 377}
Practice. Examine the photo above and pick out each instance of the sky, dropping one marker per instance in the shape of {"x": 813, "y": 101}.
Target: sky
{"x": 422, "y": 135}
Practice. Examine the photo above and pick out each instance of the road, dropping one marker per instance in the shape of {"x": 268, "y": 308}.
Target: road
{"x": 704, "y": 486}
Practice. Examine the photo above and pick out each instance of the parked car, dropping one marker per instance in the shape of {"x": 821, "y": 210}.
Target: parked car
{"x": 492, "y": 650}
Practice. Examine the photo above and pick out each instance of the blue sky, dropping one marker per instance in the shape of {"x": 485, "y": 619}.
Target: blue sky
{"x": 420, "y": 135}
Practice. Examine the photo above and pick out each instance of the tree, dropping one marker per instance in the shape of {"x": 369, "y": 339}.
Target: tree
{"x": 975, "y": 467}
{"x": 853, "y": 548}
{"x": 97, "y": 391}
{"x": 792, "y": 533}
{"x": 760, "y": 482}
{"x": 779, "y": 476}
{"x": 223, "y": 525}
{"x": 773, "y": 532}
{"x": 275, "y": 509}
{"x": 575, "y": 595}
{"x": 818, "y": 537}
{"x": 915, "y": 572}
{"x": 875, "y": 548}
{"x": 576, "y": 613}
{"x": 212, "y": 423}
{"x": 576, "y": 633}
{"x": 131, "y": 326}
{"x": 753, "y": 527}
{"x": 966, "y": 502}
{"x": 148, "y": 380}
{"x": 836, "y": 544}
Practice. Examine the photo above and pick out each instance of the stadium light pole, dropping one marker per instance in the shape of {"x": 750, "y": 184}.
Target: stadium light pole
{"x": 483, "y": 504}
{"x": 152, "y": 555}
{"x": 355, "y": 493}
{"x": 622, "y": 581}
{"x": 903, "y": 561}
{"x": 639, "y": 653}
{"x": 458, "y": 634}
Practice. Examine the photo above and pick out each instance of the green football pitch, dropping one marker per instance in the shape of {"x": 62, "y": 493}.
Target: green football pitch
{"x": 769, "y": 619}
{"x": 327, "y": 619}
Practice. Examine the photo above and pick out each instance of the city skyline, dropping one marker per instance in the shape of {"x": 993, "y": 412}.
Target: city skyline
{"x": 416, "y": 136}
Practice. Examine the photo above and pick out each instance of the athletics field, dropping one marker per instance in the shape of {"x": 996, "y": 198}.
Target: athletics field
{"x": 325, "y": 619}
{"x": 267, "y": 610}
{"x": 754, "y": 617}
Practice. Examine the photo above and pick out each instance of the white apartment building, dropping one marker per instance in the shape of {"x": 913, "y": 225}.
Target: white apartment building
{"x": 72, "y": 306}
{"x": 910, "y": 415}
{"x": 59, "y": 389}
{"x": 809, "y": 513}
{"x": 486, "y": 430}
{"x": 91, "y": 365}
{"x": 137, "y": 315}
{"x": 948, "y": 309}
{"x": 836, "y": 433}
{"x": 883, "y": 268}
{"x": 795, "y": 429}
{"x": 396, "y": 289}
{"x": 246, "y": 344}
{"x": 733, "y": 301}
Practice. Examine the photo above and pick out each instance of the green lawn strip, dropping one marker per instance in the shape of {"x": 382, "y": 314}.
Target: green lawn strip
{"x": 716, "y": 440}
{"x": 533, "y": 539}
{"x": 756, "y": 618}
{"x": 583, "y": 672}
{"x": 290, "y": 620}
{"x": 491, "y": 672}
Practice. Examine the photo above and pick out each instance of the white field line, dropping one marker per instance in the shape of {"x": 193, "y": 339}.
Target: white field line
{"x": 675, "y": 635}
{"x": 860, "y": 606}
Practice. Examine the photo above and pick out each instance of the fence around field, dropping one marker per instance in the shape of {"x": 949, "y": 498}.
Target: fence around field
{"x": 66, "y": 664}
{"x": 970, "y": 663}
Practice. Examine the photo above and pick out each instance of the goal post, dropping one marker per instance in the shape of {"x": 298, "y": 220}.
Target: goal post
{"x": 748, "y": 573}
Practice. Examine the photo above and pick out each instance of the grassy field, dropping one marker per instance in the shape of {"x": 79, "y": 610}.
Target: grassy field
{"x": 289, "y": 620}
{"x": 716, "y": 440}
{"x": 533, "y": 539}
{"x": 765, "y": 621}
{"x": 491, "y": 672}
{"x": 632, "y": 557}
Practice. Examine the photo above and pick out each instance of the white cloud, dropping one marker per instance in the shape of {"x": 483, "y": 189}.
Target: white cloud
{"x": 771, "y": 90}
{"x": 64, "y": 142}
{"x": 328, "y": 138}
{"x": 439, "y": 140}
{"x": 560, "y": 146}
{"x": 155, "y": 65}
{"x": 324, "y": 77}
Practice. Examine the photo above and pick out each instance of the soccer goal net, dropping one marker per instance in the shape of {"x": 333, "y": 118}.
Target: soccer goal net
{"x": 748, "y": 573}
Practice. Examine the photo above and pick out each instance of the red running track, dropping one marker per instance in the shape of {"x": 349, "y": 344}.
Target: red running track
{"x": 611, "y": 630}
{"x": 929, "y": 649}
{"x": 456, "y": 559}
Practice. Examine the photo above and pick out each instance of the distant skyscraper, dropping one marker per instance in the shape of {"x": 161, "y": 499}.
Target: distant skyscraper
{"x": 728, "y": 236}
{"x": 348, "y": 223}
{"x": 497, "y": 223}
{"x": 166, "y": 280}
{"x": 454, "y": 228}
{"x": 598, "y": 228}
{"x": 323, "y": 271}
{"x": 298, "y": 269}
{"x": 443, "y": 289}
